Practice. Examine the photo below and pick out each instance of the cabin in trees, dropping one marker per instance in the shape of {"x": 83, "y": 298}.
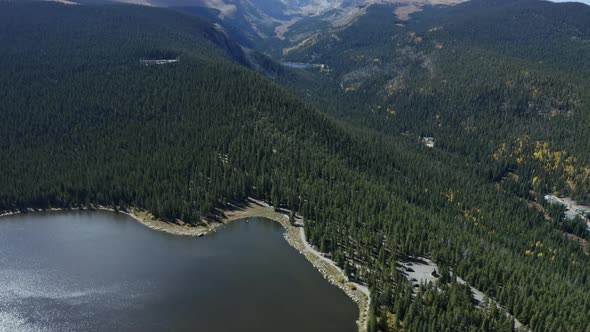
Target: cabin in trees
{"x": 428, "y": 142}
{"x": 572, "y": 210}
{"x": 151, "y": 62}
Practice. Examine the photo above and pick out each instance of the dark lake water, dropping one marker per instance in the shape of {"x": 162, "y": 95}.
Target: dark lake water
{"x": 99, "y": 271}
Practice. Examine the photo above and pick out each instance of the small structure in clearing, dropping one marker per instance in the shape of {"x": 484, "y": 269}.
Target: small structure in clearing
{"x": 157, "y": 61}
{"x": 572, "y": 209}
{"x": 428, "y": 142}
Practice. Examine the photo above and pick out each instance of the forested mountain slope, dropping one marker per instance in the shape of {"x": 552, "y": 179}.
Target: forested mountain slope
{"x": 496, "y": 83}
{"x": 83, "y": 121}
{"x": 483, "y": 77}
{"x": 96, "y": 124}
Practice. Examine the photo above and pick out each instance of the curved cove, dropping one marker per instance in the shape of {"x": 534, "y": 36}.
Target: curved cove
{"x": 100, "y": 271}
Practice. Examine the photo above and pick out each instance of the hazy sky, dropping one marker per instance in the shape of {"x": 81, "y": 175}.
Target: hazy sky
{"x": 582, "y": 1}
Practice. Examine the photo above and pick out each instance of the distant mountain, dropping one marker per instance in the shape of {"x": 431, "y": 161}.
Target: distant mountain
{"x": 260, "y": 19}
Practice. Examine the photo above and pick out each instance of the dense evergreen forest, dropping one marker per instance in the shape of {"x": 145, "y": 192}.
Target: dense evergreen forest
{"x": 84, "y": 121}
{"x": 500, "y": 85}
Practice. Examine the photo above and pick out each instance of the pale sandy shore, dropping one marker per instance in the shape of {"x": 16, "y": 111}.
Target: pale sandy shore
{"x": 294, "y": 235}
{"x": 145, "y": 218}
